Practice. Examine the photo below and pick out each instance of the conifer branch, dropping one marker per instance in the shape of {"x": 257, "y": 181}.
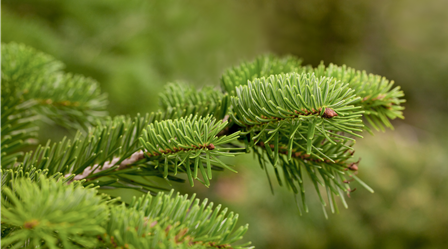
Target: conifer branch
{"x": 50, "y": 213}
{"x": 302, "y": 121}
{"x": 18, "y": 126}
{"x": 262, "y": 66}
{"x": 115, "y": 149}
{"x": 380, "y": 101}
{"x": 180, "y": 100}
{"x": 69, "y": 100}
{"x": 305, "y": 119}
{"x": 173, "y": 221}
{"x": 300, "y": 102}
{"x": 188, "y": 141}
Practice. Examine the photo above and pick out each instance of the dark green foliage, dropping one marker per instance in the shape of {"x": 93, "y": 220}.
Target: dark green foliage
{"x": 51, "y": 214}
{"x": 17, "y": 129}
{"x": 69, "y": 100}
{"x": 299, "y": 103}
{"x": 380, "y": 101}
{"x": 167, "y": 221}
{"x": 180, "y": 100}
{"x": 263, "y": 66}
{"x": 305, "y": 122}
{"x": 302, "y": 121}
{"x": 188, "y": 141}
{"x": 23, "y": 65}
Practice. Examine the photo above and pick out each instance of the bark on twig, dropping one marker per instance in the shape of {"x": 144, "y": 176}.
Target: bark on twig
{"x": 95, "y": 169}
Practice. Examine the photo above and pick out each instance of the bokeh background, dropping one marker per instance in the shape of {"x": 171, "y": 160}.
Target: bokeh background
{"x": 135, "y": 47}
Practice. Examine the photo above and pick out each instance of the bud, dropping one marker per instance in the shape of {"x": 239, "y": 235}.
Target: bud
{"x": 329, "y": 113}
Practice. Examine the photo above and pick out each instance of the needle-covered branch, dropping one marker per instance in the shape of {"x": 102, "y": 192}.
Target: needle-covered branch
{"x": 69, "y": 100}
{"x": 173, "y": 222}
{"x": 301, "y": 121}
{"x": 180, "y": 100}
{"x": 18, "y": 126}
{"x": 112, "y": 153}
{"x": 306, "y": 119}
{"x": 379, "y": 99}
{"x": 51, "y": 213}
{"x": 189, "y": 141}
{"x": 262, "y": 66}
{"x": 301, "y": 104}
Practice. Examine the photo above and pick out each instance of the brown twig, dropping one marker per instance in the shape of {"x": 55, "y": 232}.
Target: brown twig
{"x": 96, "y": 169}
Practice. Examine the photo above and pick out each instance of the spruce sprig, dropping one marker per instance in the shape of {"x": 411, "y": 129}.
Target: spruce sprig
{"x": 174, "y": 222}
{"x": 262, "y": 66}
{"x": 50, "y": 213}
{"x": 295, "y": 129}
{"x": 112, "y": 153}
{"x": 379, "y": 99}
{"x": 97, "y": 155}
{"x": 181, "y": 100}
{"x": 70, "y": 100}
{"x": 18, "y": 126}
{"x": 304, "y": 105}
{"x": 189, "y": 141}
{"x": 302, "y": 121}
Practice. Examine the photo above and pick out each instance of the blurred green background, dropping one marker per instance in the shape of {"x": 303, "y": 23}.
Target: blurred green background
{"x": 135, "y": 47}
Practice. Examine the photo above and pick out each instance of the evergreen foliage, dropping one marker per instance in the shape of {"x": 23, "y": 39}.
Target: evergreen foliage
{"x": 179, "y": 100}
{"x": 69, "y": 100}
{"x": 262, "y": 66}
{"x": 303, "y": 121}
{"x": 378, "y": 99}
{"x": 188, "y": 141}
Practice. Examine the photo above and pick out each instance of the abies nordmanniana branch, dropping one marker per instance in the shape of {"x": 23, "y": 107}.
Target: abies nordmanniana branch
{"x": 299, "y": 120}
{"x": 380, "y": 100}
{"x": 111, "y": 153}
{"x": 69, "y": 100}
{"x": 179, "y": 100}
{"x": 50, "y": 213}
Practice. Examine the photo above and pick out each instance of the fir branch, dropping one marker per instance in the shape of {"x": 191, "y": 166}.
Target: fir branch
{"x": 22, "y": 64}
{"x": 51, "y": 213}
{"x": 301, "y": 104}
{"x": 114, "y": 149}
{"x": 380, "y": 101}
{"x": 69, "y": 100}
{"x": 167, "y": 221}
{"x": 262, "y": 66}
{"x": 117, "y": 138}
{"x": 18, "y": 127}
{"x": 180, "y": 100}
{"x": 188, "y": 141}
{"x": 292, "y": 123}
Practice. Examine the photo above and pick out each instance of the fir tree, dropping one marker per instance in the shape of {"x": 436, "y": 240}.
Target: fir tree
{"x": 300, "y": 120}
